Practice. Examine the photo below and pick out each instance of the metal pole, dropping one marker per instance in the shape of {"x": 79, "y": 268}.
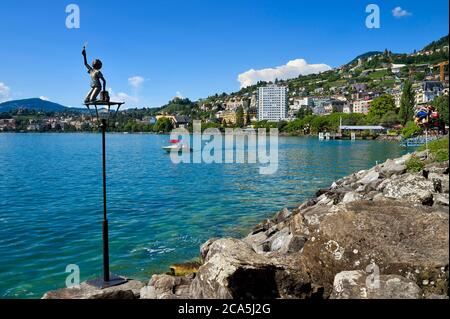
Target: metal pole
{"x": 105, "y": 218}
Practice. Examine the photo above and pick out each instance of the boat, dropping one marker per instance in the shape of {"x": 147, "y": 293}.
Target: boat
{"x": 177, "y": 146}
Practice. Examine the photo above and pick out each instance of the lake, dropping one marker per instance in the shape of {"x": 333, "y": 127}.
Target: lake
{"x": 159, "y": 212}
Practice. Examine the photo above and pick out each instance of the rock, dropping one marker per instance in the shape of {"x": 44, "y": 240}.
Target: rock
{"x": 437, "y": 168}
{"x": 321, "y": 191}
{"x": 391, "y": 167}
{"x": 313, "y": 216}
{"x": 402, "y": 160}
{"x": 233, "y": 270}
{"x": 167, "y": 287}
{"x": 426, "y": 198}
{"x": 421, "y": 155}
{"x": 440, "y": 182}
{"x": 263, "y": 226}
{"x": 282, "y": 215}
{"x": 371, "y": 176}
{"x": 128, "y": 290}
{"x": 378, "y": 197}
{"x": 398, "y": 236}
{"x": 296, "y": 243}
{"x": 360, "y": 285}
{"x": 410, "y": 187}
{"x": 258, "y": 242}
{"x": 323, "y": 199}
{"x": 184, "y": 268}
{"x": 205, "y": 248}
{"x": 441, "y": 199}
{"x": 372, "y": 186}
{"x": 351, "y": 197}
{"x": 307, "y": 204}
{"x": 280, "y": 241}
{"x": 437, "y": 185}
{"x": 370, "y": 195}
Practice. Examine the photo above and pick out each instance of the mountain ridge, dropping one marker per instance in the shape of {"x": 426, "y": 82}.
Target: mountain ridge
{"x": 36, "y": 104}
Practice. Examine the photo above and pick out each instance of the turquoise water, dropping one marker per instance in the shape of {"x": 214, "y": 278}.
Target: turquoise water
{"x": 159, "y": 212}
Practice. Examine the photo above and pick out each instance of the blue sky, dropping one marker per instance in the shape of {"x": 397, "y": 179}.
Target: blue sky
{"x": 154, "y": 50}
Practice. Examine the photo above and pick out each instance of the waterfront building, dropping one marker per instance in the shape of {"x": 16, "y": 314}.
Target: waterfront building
{"x": 229, "y": 117}
{"x": 362, "y": 106}
{"x": 7, "y": 124}
{"x": 301, "y": 103}
{"x": 397, "y": 98}
{"x": 428, "y": 91}
{"x": 319, "y": 106}
{"x": 176, "y": 120}
{"x": 348, "y": 108}
{"x": 334, "y": 106}
{"x": 272, "y": 103}
{"x": 396, "y": 68}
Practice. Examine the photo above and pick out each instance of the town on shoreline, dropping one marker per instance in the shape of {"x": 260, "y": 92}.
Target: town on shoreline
{"x": 382, "y": 89}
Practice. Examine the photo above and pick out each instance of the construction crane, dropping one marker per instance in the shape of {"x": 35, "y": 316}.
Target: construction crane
{"x": 442, "y": 70}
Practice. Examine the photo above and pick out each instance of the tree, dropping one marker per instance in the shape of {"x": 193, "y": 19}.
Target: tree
{"x": 407, "y": 103}
{"x": 441, "y": 105}
{"x": 164, "y": 124}
{"x": 411, "y": 129}
{"x": 303, "y": 112}
{"x": 390, "y": 119}
{"x": 240, "y": 117}
{"x": 381, "y": 106}
{"x": 247, "y": 118}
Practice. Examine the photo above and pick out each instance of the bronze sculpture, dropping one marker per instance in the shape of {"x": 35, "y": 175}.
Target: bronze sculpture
{"x": 96, "y": 78}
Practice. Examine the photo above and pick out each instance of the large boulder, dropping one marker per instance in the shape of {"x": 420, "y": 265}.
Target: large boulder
{"x": 399, "y": 237}
{"x": 167, "y": 287}
{"x": 442, "y": 180}
{"x": 282, "y": 215}
{"x": 351, "y": 197}
{"x": 129, "y": 290}
{"x": 410, "y": 187}
{"x": 392, "y": 167}
{"x": 369, "y": 177}
{"x": 361, "y": 285}
{"x": 233, "y": 270}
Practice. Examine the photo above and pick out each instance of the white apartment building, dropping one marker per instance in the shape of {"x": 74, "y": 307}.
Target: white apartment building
{"x": 428, "y": 91}
{"x": 361, "y": 106}
{"x": 272, "y": 103}
{"x": 348, "y": 108}
{"x": 300, "y": 103}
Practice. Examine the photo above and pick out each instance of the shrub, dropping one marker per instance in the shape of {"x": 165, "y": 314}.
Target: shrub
{"x": 441, "y": 155}
{"x": 438, "y": 148}
{"x": 414, "y": 164}
{"x": 411, "y": 129}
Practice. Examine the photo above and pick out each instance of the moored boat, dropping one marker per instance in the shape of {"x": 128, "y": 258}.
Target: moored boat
{"x": 177, "y": 146}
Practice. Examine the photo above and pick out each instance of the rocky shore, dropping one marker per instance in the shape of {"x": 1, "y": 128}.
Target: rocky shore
{"x": 378, "y": 233}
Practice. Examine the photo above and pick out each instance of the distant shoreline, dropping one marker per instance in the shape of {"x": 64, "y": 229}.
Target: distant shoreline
{"x": 281, "y": 134}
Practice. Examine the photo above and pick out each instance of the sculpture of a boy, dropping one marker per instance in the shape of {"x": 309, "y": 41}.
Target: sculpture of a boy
{"x": 96, "y": 77}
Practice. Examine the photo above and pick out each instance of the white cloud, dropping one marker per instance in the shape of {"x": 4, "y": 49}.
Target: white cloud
{"x": 44, "y": 98}
{"x": 290, "y": 70}
{"x": 136, "y": 81}
{"x": 122, "y": 97}
{"x": 179, "y": 95}
{"x": 5, "y": 92}
{"x": 398, "y": 12}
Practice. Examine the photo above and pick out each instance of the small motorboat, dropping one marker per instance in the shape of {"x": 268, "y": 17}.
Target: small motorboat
{"x": 177, "y": 146}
